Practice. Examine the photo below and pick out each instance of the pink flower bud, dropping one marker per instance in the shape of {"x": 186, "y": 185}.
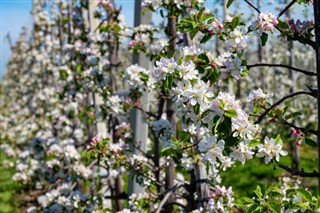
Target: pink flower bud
{"x": 299, "y": 142}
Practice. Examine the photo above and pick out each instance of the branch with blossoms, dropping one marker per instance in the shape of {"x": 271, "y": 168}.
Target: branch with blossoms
{"x": 260, "y": 118}
{"x": 284, "y": 27}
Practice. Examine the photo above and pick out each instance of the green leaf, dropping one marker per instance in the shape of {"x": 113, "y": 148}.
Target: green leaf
{"x": 194, "y": 32}
{"x": 282, "y": 24}
{"x": 204, "y": 57}
{"x": 168, "y": 82}
{"x": 292, "y": 115}
{"x": 230, "y": 113}
{"x": 274, "y": 207}
{"x": 305, "y": 195}
{"x": 235, "y": 22}
{"x": 196, "y": 109}
{"x": 264, "y": 39}
{"x": 244, "y": 201}
{"x": 206, "y": 38}
{"x": 278, "y": 139}
{"x": 253, "y": 208}
{"x": 308, "y": 127}
{"x": 302, "y": 205}
{"x": 168, "y": 151}
{"x": 254, "y": 143}
{"x": 258, "y": 192}
{"x": 229, "y": 3}
{"x": 311, "y": 142}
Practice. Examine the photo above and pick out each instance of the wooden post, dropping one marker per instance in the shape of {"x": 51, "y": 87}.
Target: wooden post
{"x": 293, "y": 146}
{"x": 101, "y": 128}
{"x": 138, "y": 124}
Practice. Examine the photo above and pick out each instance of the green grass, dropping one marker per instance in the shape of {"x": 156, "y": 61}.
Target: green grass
{"x": 7, "y": 189}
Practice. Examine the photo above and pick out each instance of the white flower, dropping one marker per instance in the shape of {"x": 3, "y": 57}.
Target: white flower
{"x": 192, "y": 50}
{"x": 113, "y": 173}
{"x": 114, "y": 103}
{"x": 82, "y": 171}
{"x": 233, "y": 68}
{"x": 212, "y": 147}
{"x": 187, "y": 70}
{"x": 134, "y": 74}
{"x": 199, "y": 94}
{"x": 257, "y": 95}
{"x": 270, "y": 149}
{"x": 237, "y": 40}
{"x": 242, "y": 152}
{"x": 164, "y": 66}
{"x": 187, "y": 162}
{"x": 71, "y": 152}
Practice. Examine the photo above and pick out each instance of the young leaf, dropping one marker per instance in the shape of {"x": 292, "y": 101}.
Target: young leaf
{"x": 264, "y": 39}
{"x": 206, "y": 38}
{"x": 311, "y": 142}
{"x": 229, "y": 3}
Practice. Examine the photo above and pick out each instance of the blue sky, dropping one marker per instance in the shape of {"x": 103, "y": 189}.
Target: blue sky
{"x": 13, "y": 15}
{"x": 17, "y": 13}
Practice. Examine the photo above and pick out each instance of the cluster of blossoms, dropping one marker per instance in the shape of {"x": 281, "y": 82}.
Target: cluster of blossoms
{"x": 155, "y": 4}
{"x": 60, "y": 127}
{"x": 214, "y": 149}
{"x": 158, "y": 46}
{"x": 142, "y": 36}
{"x": 300, "y": 27}
{"x": 114, "y": 104}
{"x": 259, "y": 96}
{"x": 257, "y": 99}
{"x": 220, "y": 201}
{"x": 265, "y": 23}
{"x": 139, "y": 78}
{"x": 234, "y": 67}
{"x": 164, "y": 67}
{"x": 237, "y": 40}
{"x": 271, "y": 149}
{"x": 62, "y": 199}
{"x": 298, "y": 135}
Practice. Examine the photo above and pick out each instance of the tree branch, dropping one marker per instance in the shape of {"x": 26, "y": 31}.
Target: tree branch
{"x": 284, "y": 66}
{"x": 286, "y": 8}
{"x": 280, "y": 101}
{"x": 165, "y": 198}
{"x": 299, "y": 128}
{"x": 252, "y": 6}
{"x": 301, "y": 173}
{"x": 295, "y": 38}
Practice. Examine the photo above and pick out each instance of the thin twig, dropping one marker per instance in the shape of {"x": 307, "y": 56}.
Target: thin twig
{"x": 286, "y": 8}
{"x": 251, "y": 5}
{"x": 299, "y": 128}
{"x": 301, "y": 173}
{"x": 280, "y": 101}
{"x": 284, "y": 66}
{"x": 165, "y": 198}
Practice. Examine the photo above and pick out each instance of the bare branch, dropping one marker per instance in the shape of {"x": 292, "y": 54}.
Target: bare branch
{"x": 280, "y": 101}
{"x": 252, "y": 6}
{"x": 284, "y": 66}
{"x": 301, "y": 173}
{"x": 165, "y": 198}
{"x": 287, "y": 8}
